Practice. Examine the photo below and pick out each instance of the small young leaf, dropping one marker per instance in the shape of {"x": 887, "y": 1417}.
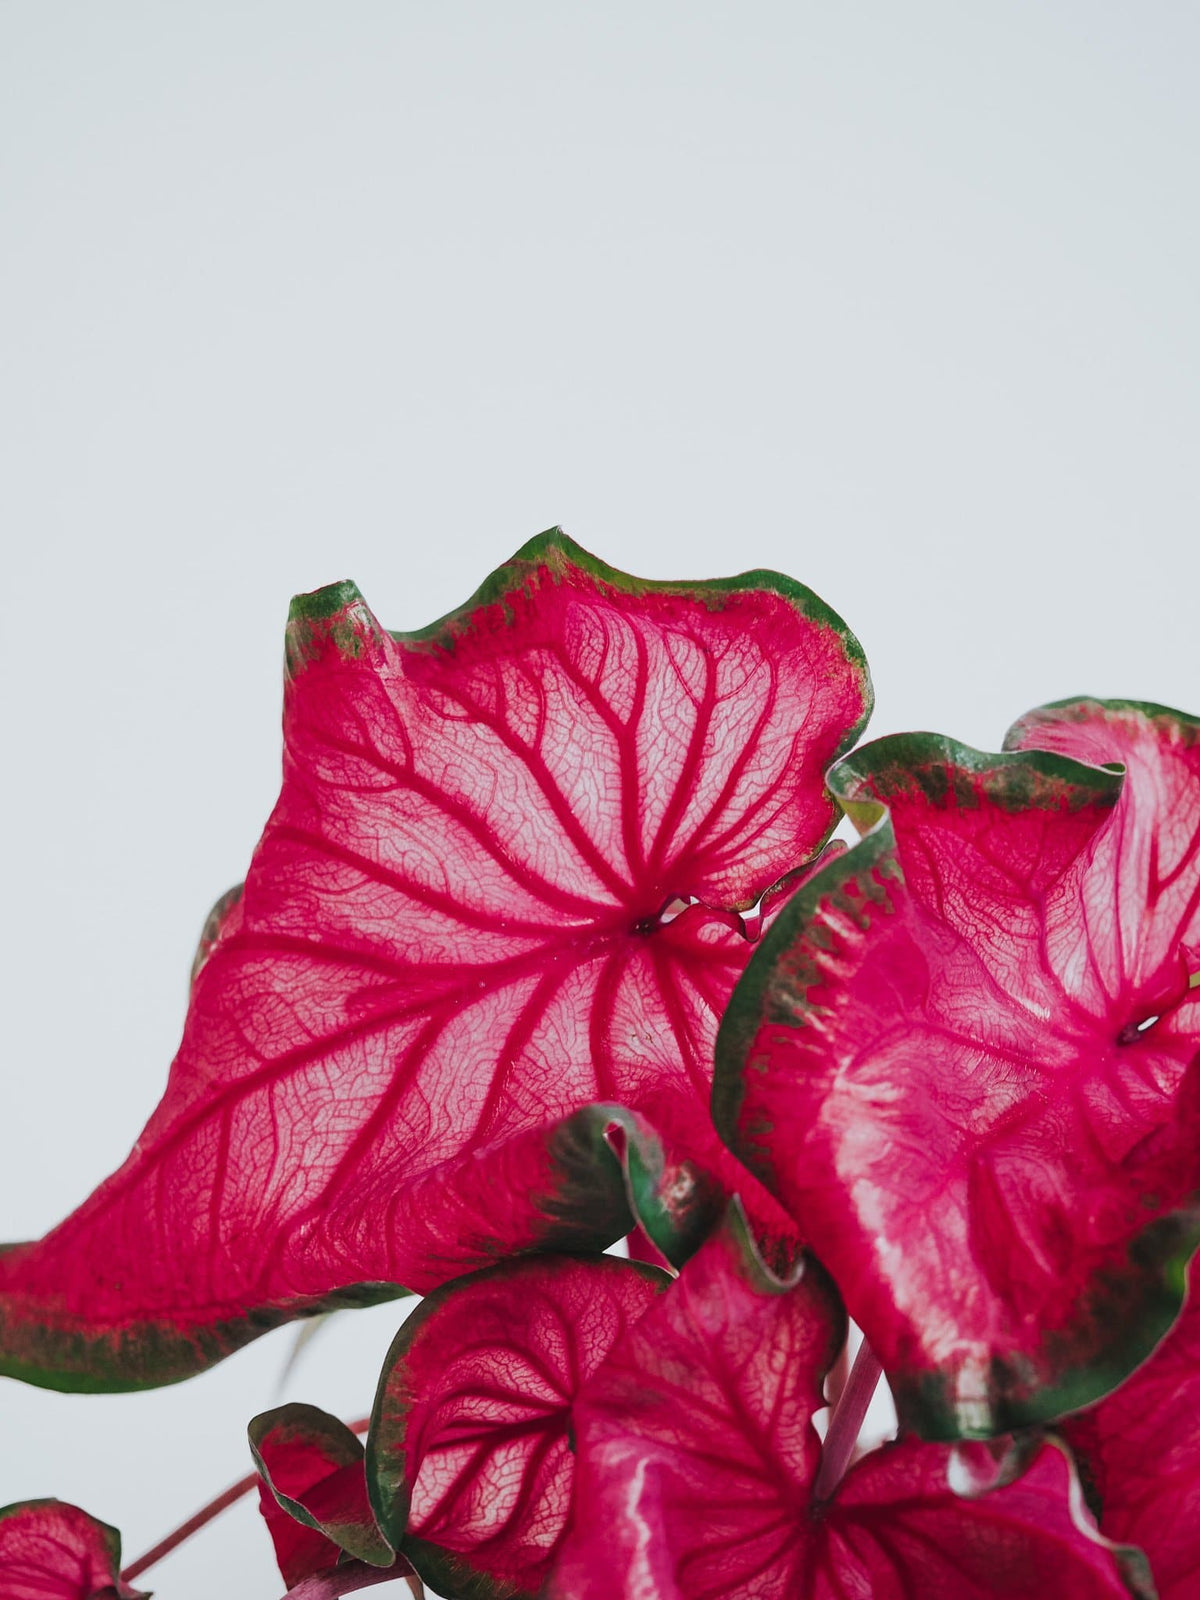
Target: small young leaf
{"x": 964, "y": 1057}
{"x": 314, "y": 1492}
{"x": 698, "y": 1461}
{"x": 454, "y": 930}
{"x": 469, "y": 1455}
{"x": 50, "y": 1550}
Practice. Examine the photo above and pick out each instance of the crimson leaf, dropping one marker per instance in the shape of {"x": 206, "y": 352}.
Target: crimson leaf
{"x": 314, "y": 1491}
{"x": 50, "y": 1550}
{"x": 1139, "y": 1450}
{"x": 963, "y": 1055}
{"x": 454, "y": 930}
{"x": 698, "y": 1461}
{"x": 469, "y": 1456}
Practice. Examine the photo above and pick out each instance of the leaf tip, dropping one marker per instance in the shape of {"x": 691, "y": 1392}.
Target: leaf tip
{"x": 334, "y": 616}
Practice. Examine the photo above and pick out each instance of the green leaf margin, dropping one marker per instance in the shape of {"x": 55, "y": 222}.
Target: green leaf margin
{"x": 338, "y": 612}
{"x": 598, "y": 1196}
{"x": 110, "y": 1538}
{"x": 773, "y": 992}
{"x": 447, "y": 1572}
{"x": 1085, "y": 708}
{"x": 344, "y": 1449}
{"x": 149, "y": 1355}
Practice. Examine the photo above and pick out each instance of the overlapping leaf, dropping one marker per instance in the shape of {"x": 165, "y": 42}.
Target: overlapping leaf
{"x": 469, "y": 1457}
{"x": 965, "y": 1056}
{"x": 50, "y": 1550}
{"x": 313, "y": 1495}
{"x": 698, "y": 1459}
{"x": 455, "y": 929}
{"x": 1139, "y": 1451}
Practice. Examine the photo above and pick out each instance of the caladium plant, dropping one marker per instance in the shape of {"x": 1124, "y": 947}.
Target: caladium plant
{"x": 1139, "y": 1452}
{"x": 536, "y": 873}
{"x": 700, "y": 1472}
{"x": 53, "y": 1551}
{"x": 965, "y": 1058}
{"x": 457, "y": 929}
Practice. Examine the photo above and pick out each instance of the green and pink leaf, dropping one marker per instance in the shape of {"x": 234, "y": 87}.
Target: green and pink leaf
{"x": 964, "y": 1057}
{"x": 456, "y": 931}
{"x": 50, "y": 1550}
{"x": 469, "y": 1457}
{"x": 313, "y": 1494}
{"x": 699, "y": 1467}
{"x": 1139, "y": 1453}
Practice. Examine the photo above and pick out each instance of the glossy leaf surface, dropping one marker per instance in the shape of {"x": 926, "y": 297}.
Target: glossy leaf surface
{"x": 453, "y": 931}
{"x": 50, "y": 1550}
{"x": 469, "y": 1456}
{"x": 314, "y": 1491}
{"x": 697, "y": 1461}
{"x": 964, "y": 1056}
{"x": 1139, "y": 1452}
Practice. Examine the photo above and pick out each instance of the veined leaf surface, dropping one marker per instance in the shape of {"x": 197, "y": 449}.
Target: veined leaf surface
{"x": 455, "y": 929}
{"x": 698, "y": 1462}
{"x": 469, "y": 1457}
{"x": 50, "y": 1550}
{"x": 965, "y": 1055}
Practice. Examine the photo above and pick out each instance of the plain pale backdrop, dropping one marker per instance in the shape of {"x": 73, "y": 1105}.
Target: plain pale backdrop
{"x": 899, "y": 299}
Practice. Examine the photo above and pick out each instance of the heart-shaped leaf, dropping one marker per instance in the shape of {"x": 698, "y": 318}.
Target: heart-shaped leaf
{"x": 469, "y": 1455}
{"x": 698, "y": 1463}
{"x": 50, "y": 1550}
{"x": 457, "y": 927}
{"x": 1139, "y": 1452}
{"x": 964, "y": 1058}
{"x": 314, "y": 1491}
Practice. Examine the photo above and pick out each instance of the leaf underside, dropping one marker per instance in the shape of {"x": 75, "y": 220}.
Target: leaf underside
{"x": 313, "y": 1494}
{"x": 458, "y": 927}
{"x": 964, "y": 1055}
{"x": 50, "y": 1550}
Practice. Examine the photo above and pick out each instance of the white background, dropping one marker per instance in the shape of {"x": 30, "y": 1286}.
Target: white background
{"x": 900, "y": 299}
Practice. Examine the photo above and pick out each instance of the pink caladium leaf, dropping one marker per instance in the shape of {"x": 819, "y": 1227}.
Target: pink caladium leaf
{"x": 314, "y": 1491}
{"x": 1141, "y": 913}
{"x": 698, "y": 1461}
{"x": 1139, "y": 1453}
{"x": 469, "y": 1456}
{"x": 965, "y": 1056}
{"x": 50, "y": 1550}
{"x": 456, "y": 928}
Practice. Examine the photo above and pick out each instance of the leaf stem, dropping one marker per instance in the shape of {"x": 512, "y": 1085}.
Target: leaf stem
{"x": 351, "y": 1575}
{"x": 191, "y": 1526}
{"x": 222, "y": 1502}
{"x": 846, "y": 1422}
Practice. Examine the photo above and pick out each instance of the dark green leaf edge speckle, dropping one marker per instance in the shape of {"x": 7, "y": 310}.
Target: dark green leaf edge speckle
{"x": 149, "y": 1354}
{"x": 1083, "y": 708}
{"x": 343, "y": 1448}
{"x": 339, "y": 611}
{"x": 1139, "y": 1305}
{"x": 447, "y": 1572}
